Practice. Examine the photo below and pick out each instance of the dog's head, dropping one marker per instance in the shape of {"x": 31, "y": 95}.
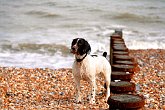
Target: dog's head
{"x": 80, "y": 46}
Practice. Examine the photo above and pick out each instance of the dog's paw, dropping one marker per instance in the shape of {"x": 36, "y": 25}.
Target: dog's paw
{"x": 107, "y": 98}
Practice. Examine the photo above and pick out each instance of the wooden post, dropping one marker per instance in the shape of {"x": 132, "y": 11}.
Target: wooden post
{"x": 123, "y": 67}
{"x": 119, "y": 33}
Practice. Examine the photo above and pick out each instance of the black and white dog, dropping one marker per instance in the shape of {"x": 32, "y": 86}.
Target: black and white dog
{"x": 87, "y": 67}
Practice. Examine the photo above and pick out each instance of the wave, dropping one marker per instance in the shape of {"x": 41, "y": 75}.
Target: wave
{"x": 127, "y": 15}
{"x": 32, "y": 55}
{"x": 143, "y": 40}
{"x": 34, "y": 60}
{"x": 139, "y": 18}
{"x": 50, "y": 49}
{"x": 50, "y": 3}
{"x": 44, "y": 14}
{"x": 145, "y": 45}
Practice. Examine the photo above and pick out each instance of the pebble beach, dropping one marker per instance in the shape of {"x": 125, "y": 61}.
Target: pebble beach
{"x": 46, "y": 89}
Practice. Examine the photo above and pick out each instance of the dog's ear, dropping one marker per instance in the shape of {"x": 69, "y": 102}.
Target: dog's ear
{"x": 74, "y": 41}
{"x": 87, "y": 48}
{"x": 83, "y": 47}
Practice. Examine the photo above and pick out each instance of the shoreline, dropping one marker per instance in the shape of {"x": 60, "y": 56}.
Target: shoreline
{"x": 44, "y": 88}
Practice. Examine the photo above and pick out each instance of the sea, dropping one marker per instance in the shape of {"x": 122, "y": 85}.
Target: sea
{"x": 38, "y": 33}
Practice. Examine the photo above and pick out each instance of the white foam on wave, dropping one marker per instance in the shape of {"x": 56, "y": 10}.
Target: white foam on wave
{"x": 34, "y": 60}
{"x": 144, "y": 40}
{"x": 145, "y": 45}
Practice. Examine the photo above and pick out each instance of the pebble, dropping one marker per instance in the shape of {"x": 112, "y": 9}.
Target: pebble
{"x": 150, "y": 78}
{"x": 61, "y": 93}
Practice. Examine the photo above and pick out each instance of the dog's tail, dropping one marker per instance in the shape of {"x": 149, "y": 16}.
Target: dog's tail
{"x": 105, "y": 54}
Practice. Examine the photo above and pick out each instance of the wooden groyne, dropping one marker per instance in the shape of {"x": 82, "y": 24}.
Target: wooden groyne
{"x": 123, "y": 68}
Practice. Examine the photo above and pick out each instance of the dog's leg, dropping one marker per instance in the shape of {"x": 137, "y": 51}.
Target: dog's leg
{"x": 108, "y": 90}
{"x": 93, "y": 91}
{"x": 78, "y": 97}
{"x": 107, "y": 81}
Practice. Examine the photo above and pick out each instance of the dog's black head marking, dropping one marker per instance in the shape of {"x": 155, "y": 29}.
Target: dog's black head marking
{"x": 80, "y": 46}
